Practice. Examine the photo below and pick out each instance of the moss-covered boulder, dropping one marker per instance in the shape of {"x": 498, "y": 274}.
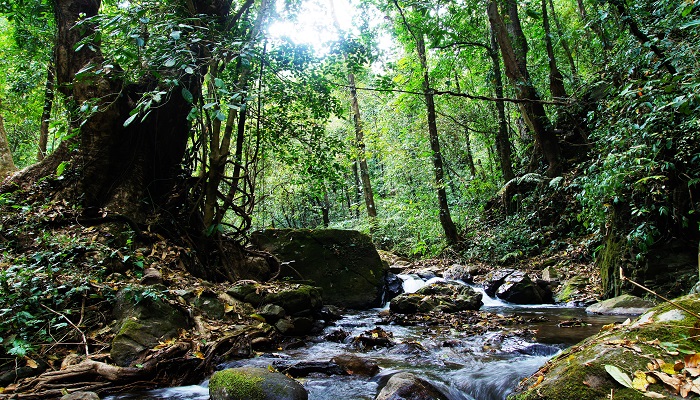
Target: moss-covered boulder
{"x": 254, "y": 384}
{"x": 144, "y": 319}
{"x": 621, "y": 305}
{"x": 654, "y": 345}
{"x": 345, "y": 264}
{"x": 440, "y": 296}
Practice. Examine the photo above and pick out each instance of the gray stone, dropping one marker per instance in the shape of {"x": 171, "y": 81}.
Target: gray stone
{"x": 254, "y": 384}
{"x": 462, "y": 273}
{"x": 550, "y": 274}
{"x": 81, "y": 396}
{"x": 518, "y": 288}
{"x": 272, "y": 313}
{"x": 621, "y": 305}
{"x": 151, "y": 276}
{"x": 495, "y": 279}
{"x": 406, "y": 386}
{"x": 440, "y": 296}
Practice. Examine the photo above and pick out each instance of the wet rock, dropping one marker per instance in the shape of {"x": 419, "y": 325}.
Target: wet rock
{"x": 550, "y": 274}
{"x": 81, "y": 396}
{"x": 518, "y": 288}
{"x": 426, "y": 273}
{"x": 337, "y": 336}
{"x": 272, "y": 313}
{"x": 144, "y": 320}
{"x": 572, "y": 290}
{"x": 331, "y": 313}
{"x": 495, "y": 279}
{"x": 406, "y": 386}
{"x": 297, "y": 299}
{"x": 580, "y": 373}
{"x": 440, "y": 296}
{"x": 262, "y": 344}
{"x": 344, "y": 264}
{"x": 374, "y": 338}
{"x": 248, "y": 292}
{"x": 355, "y": 365}
{"x": 306, "y": 368}
{"x": 393, "y": 286}
{"x": 464, "y": 273}
{"x": 209, "y": 304}
{"x": 254, "y": 384}
{"x": 621, "y": 305}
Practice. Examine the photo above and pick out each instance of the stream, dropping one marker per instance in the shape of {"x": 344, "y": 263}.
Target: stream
{"x": 482, "y": 367}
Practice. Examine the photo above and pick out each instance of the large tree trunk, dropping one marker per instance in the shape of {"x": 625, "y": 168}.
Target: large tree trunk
{"x": 531, "y": 107}
{"x": 448, "y": 226}
{"x": 502, "y": 140}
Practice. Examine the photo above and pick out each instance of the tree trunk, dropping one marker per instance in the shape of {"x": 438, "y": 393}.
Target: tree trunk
{"x": 565, "y": 44}
{"x": 531, "y": 108}
{"x": 502, "y": 140}
{"x": 46, "y": 112}
{"x": 360, "y": 143}
{"x": 470, "y": 157}
{"x": 556, "y": 79}
{"x": 7, "y": 165}
{"x": 448, "y": 225}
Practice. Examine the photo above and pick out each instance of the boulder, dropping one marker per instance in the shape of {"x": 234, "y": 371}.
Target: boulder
{"x": 355, "y": 365}
{"x": 621, "y": 305}
{"x": 272, "y": 313}
{"x": 572, "y": 289}
{"x": 306, "y": 368}
{"x": 495, "y": 279}
{"x": 296, "y": 299}
{"x": 254, "y": 384}
{"x": 464, "y": 273}
{"x": 344, "y": 264}
{"x": 646, "y": 351}
{"x": 518, "y": 288}
{"x": 439, "y": 296}
{"x": 393, "y": 286}
{"x": 550, "y": 274}
{"x": 406, "y": 386}
{"x": 143, "y": 320}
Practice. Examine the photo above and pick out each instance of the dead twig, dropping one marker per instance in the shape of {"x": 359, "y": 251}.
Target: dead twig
{"x": 85, "y": 342}
{"x": 671, "y": 302}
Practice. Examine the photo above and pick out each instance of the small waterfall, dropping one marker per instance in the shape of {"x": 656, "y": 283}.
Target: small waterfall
{"x": 412, "y": 283}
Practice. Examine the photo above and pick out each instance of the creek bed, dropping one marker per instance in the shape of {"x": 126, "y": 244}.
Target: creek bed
{"x": 487, "y": 366}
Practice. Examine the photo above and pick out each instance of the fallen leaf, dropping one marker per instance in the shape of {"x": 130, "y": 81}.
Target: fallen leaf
{"x": 694, "y": 372}
{"x": 31, "y": 363}
{"x": 671, "y": 381}
{"x": 692, "y": 360}
{"x": 619, "y": 375}
{"x": 654, "y": 395}
{"x": 639, "y": 381}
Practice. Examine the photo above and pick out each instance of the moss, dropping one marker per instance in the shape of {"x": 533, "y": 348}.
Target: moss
{"x": 236, "y": 385}
{"x": 129, "y": 327}
{"x": 608, "y": 265}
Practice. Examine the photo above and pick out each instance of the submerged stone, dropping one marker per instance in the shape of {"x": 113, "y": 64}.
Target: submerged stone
{"x": 407, "y": 386}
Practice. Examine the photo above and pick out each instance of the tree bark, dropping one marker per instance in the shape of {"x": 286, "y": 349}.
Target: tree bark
{"x": 532, "y": 109}
{"x": 448, "y": 226}
{"x": 556, "y": 79}
{"x": 7, "y": 165}
{"x": 360, "y": 143}
{"x": 46, "y": 112}
{"x": 565, "y": 45}
{"x": 502, "y": 140}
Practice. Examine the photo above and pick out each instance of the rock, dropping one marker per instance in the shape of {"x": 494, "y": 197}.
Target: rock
{"x": 143, "y": 320}
{"x": 580, "y": 373}
{"x": 81, "y": 396}
{"x": 337, "y": 336}
{"x": 393, "y": 286}
{"x": 247, "y": 291}
{"x": 209, "y": 304}
{"x": 572, "y": 289}
{"x": 344, "y": 264}
{"x": 518, "y": 288}
{"x": 254, "y": 384}
{"x": 272, "y": 313}
{"x": 355, "y": 365}
{"x": 426, "y": 273}
{"x": 306, "y": 368}
{"x": 297, "y": 299}
{"x": 550, "y": 274}
{"x": 462, "y": 273}
{"x": 621, "y": 305}
{"x": 439, "y": 296}
{"x": 374, "y": 338}
{"x": 406, "y": 386}
{"x": 495, "y": 279}
{"x": 331, "y": 313}
{"x": 151, "y": 276}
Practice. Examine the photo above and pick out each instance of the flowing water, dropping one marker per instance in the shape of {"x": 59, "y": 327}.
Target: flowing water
{"x": 483, "y": 367}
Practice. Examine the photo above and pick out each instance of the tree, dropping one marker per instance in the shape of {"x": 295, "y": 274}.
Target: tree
{"x": 514, "y": 53}
{"x": 7, "y": 165}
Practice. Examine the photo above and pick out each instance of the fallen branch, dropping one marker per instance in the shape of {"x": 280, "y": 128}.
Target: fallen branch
{"x": 671, "y": 302}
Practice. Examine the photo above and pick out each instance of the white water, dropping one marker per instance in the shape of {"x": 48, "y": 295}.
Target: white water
{"x": 482, "y": 367}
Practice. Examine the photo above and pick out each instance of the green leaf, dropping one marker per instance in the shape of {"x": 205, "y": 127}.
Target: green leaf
{"x": 187, "y": 95}
{"x": 690, "y": 24}
{"x": 61, "y": 167}
{"x": 130, "y": 119}
{"x": 189, "y": 70}
{"x": 169, "y": 62}
{"x": 175, "y": 34}
{"x": 619, "y": 375}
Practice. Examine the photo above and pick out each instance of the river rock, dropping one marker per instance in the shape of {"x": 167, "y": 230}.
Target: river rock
{"x": 81, "y": 396}
{"x": 580, "y": 371}
{"x": 621, "y": 305}
{"x": 393, "y": 286}
{"x": 464, "y": 273}
{"x": 272, "y": 313}
{"x": 254, "y": 384}
{"x": 143, "y": 321}
{"x": 495, "y": 279}
{"x": 518, "y": 288}
{"x": 572, "y": 289}
{"x": 439, "y": 296}
{"x": 344, "y": 264}
{"x": 406, "y": 386}
{"x": 355, "y": 365}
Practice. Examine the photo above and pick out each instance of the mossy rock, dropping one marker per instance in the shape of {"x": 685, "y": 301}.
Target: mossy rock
{"x": 143, "y": 320}
{"x": 621, "y": 305}
{"x": 345, "y": 264}
{"x": 579, "y": 372}
{"x": 254, "y": 384}
{"x": 296, "y": 299}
